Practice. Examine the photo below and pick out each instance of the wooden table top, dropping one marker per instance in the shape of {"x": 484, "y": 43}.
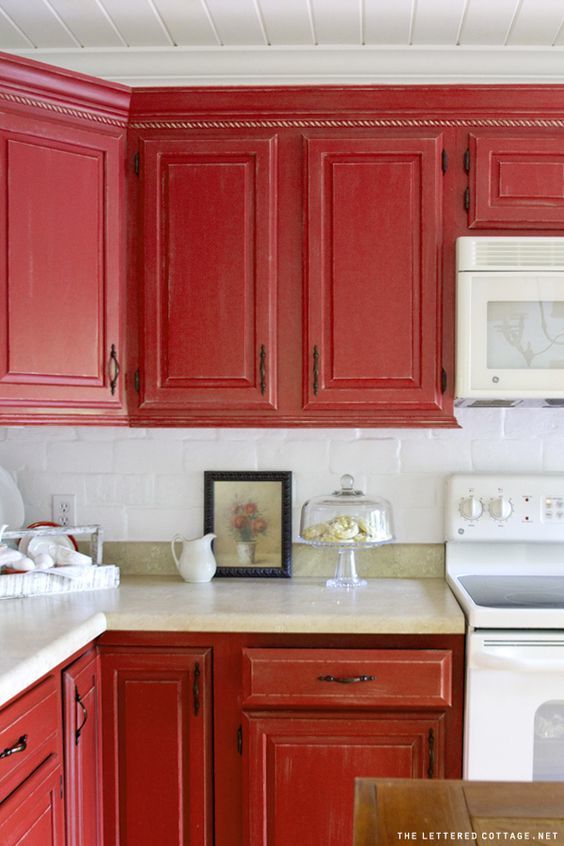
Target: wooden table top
{"x": 417, "y": 811}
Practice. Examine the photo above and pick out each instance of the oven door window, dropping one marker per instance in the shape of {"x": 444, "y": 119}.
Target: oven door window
{"x": 548, "y": 749}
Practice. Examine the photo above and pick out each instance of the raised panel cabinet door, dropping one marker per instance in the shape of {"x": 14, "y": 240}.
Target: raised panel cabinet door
{"x": 83, "y": 777}
{"x": 515, "y": 180}
{"x": 34, "y": 815}
{"x": 210, "y": 292}
{"x": 61, "y": 235}
{"x": 157, "y": 743}
{"x": 300, "y": 770}
{"x": 373, "y": 232}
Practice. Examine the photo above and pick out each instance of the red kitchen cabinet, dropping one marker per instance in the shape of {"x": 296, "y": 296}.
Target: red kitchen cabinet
{"x": 81, "y": 701}
{"x": 515, "y": 179}
{"x": 157, "y": 747}
{"x": 301, "y": 770}
{"x": 210, "y": 287}
{"x": 61, "y": 227}
{"x": 373, "y": 231}
{"x": 31, "y": 773}
{"x": 315, "y": 719}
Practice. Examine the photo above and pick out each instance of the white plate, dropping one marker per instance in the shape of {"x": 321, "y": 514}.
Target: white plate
{"x": 11, "y": 503}
{"x": 32, "y": 546}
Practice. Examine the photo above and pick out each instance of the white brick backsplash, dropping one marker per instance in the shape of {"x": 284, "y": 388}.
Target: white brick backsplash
{"x": 114, "y": 489}
{"x": 80, "y": 457}
{"x": 147, "y": 484}
{"x": 23, "y": 456}
{"x": 435, "y": 456}
{"x": 507, "y": 456}
{"x": 148, "y": 456}
{"x": 161, "y": 524}
{"x": 179, "y": 491}
{"x": 292, "y": 455}
{"x": 219, "y": 455}
{"x": 364, "y": 456}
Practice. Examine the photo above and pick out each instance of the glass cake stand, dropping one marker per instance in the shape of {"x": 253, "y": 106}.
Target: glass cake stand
{"x": 346, "y": 520}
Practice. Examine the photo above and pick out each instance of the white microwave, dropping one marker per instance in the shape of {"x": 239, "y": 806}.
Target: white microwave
{"x": 510, "y": 321}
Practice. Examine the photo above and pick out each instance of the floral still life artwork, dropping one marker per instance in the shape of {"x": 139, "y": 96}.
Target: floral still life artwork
{"x": 250, "y": 514}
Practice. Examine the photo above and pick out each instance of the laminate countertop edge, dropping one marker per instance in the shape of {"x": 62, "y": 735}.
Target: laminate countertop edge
{"x": 39, "y": 633}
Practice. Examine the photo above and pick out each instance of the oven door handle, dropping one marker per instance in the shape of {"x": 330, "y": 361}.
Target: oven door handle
{"x": 503, "y": 662}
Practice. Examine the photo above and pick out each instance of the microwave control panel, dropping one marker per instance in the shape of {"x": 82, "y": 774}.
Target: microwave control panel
{"x": 505, "y": 508}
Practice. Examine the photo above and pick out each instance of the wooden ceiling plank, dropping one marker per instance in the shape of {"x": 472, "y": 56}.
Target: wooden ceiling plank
{"x": 537, "y": 23}
{"x": 288, "y": 22}
{"x": 88, "y": 23}
{"x": 487, "y": 23}
{"x": 387, "y": 22}
{"x": 437, "y": 21}
{"x": 38, "y": 23}
{"x": 137, "y": 23}
{"x": 337, "y": 23}
{"x": 188, "y": 22}
{"x": 11, "y": 36}
{"x": 237, "y": 23}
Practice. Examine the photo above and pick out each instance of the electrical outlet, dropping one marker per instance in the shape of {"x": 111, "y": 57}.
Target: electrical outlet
{"x": 64, "y": 509}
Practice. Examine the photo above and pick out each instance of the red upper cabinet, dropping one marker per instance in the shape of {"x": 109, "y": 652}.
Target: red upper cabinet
{"x": 373, "y": 331}
{"x": 209, "y": 264}
{"x": 516, "y": 179}
{"x": 60, "y": 232}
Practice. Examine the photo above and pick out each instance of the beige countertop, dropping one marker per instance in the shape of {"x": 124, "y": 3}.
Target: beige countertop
{"x": 38, "y": 633}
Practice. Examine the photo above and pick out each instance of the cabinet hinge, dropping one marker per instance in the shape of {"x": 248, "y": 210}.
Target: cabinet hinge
{"x": 467, "y": 198}
{"x": 466, "y": 160}
{"x": 240, "y": 740}
{"x": 444, "y": 161}
{"x": 61, "y": 786}
{"x": 137, "y": 381}
{"x": 443, "y": 381}
{"x": 136, "y": 164}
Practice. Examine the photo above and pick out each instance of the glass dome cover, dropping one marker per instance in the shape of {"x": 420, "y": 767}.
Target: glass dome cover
{"x": 346, "y": 518}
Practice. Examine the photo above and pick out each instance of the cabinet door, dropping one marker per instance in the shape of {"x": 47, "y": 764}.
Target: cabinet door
{"x": 300, "y": 770}
{"x": 157, "y": 747}
{"x": 209, "y": 314}
{"x": 516, "y": 180}
{"x": 61, "y": 233}
{"x": 373, "y": 335}
{"x": 83, "y": 780}
{"x": 33, "y": 815}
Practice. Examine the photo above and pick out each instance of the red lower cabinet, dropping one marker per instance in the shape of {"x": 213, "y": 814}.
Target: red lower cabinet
{"x": 301, "y": 769}
{"x": 156, "y": 708}
{"x": 82, "y": 751}
{"x": 34, "y": 815}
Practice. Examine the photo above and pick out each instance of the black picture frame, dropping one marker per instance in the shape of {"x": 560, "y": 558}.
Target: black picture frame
{"x": 254, "y": 509}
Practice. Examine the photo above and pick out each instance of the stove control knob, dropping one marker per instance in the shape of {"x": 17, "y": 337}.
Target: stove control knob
{"x": 471, "y": 508}
{"x": 500, "y": 508}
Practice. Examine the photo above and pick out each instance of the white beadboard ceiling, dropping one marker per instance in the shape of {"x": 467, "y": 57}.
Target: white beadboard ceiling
{"x": 213, "y": 42}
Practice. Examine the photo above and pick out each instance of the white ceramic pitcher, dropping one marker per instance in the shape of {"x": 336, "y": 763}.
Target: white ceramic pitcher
{"x": 196, "y": 562}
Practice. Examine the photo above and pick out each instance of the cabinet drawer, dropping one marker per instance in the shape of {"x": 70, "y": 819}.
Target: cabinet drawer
{"x": 35, "y": 716}
{"x": 345, "y": 678}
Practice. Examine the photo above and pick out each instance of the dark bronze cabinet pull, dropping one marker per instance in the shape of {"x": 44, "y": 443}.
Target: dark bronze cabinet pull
{"x": 114, "y": 361}
{"x": 262, "y": 369}
{"x": 431, "y": 749}
{"x": 196, "y": 689}
{"x": 20, "y": 746}
{"x": 315, "y": 371}
{"x": 346, "y": 679}
{"x": 81, "y": 704}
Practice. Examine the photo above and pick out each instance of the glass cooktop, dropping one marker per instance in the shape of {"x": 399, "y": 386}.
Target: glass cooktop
{"x": 515, "y": 591}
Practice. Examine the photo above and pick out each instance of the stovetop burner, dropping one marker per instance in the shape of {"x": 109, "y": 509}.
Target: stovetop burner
{"x": 515, "y": 591}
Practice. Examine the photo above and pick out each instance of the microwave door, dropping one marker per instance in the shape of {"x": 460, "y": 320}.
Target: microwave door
{"x": 510, "y": 331}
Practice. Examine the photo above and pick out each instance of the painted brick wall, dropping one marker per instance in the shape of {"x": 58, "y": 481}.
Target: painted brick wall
{"x": 148, "y": 484}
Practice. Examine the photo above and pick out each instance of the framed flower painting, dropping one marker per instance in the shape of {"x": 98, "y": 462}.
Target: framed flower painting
{"x": 250, "y": 514}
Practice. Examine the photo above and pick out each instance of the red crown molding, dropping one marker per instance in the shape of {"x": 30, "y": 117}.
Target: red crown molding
{"x": 34, "y": 84}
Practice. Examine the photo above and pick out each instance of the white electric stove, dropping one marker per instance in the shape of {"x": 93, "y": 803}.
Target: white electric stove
{"x": 505, "y": 565}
